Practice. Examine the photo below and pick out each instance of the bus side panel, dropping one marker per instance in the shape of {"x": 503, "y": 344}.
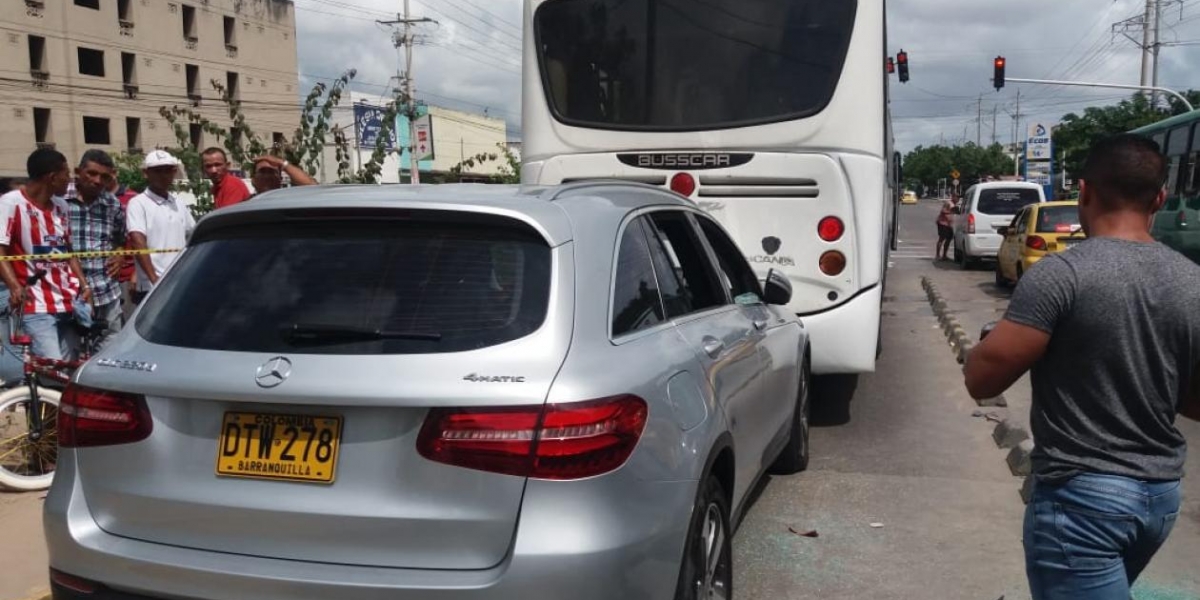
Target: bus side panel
{"x": 845, "y": 340}
{"x": 869, "y": 188}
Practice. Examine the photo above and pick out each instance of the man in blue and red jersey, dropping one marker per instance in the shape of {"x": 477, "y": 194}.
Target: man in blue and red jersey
{"x": 33, "y": 222}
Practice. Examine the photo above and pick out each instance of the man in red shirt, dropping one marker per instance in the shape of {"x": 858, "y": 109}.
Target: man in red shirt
{"x": 227, "y": 190}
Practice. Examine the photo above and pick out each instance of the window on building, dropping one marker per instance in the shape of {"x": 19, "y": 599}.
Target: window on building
{"x": 37, "y": 54}
{"x": 92, "y": 4}
{"x": 128, "y": 68}
{"x": 125, "y": 11}
{"x": 189, "y": 23}
{"x": 232, "y": 87}
{"x": 91, "y": 62}
{"x": 193, "y": 82}
{"x": 95, "y": 131}
{"x": 196, "y": 135}
{"x": 133, "y": 133}
{"x": 230, "y": 32}
{"x": 42, "y": 131}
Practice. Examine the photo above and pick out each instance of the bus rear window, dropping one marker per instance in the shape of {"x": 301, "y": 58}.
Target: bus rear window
{"x": 1006, "y": 202}
{"x": 690, "y": 64}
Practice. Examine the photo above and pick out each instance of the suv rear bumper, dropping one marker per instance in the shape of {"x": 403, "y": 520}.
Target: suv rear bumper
{"x": 575, "y": 541}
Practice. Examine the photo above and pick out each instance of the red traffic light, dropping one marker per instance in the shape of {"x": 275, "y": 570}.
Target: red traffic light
{"x": 902, "y": 58}
{"x": 902, "y": 63}
{"x": 891, "y": 65}
{"x": 998, "y": 76}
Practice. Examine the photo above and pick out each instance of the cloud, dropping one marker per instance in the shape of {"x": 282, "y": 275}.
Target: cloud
{"x": 470, "y": 59}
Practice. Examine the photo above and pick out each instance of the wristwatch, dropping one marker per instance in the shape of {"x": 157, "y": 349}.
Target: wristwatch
{"x": 285, "y": 165}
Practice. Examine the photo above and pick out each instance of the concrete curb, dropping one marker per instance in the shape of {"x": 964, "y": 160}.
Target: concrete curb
{"x": 1007, "y": 434}
{"x": 960, "y": 343}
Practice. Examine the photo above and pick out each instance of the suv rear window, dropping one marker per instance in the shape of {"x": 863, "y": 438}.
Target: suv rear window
{"x": 354, "y": 286}
{"x": 1006, "y": 201}
{"x": 1057, "y": 219}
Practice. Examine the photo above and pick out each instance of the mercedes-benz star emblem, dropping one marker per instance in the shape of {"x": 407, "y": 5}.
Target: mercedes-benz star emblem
{"x": 273, "y": 372}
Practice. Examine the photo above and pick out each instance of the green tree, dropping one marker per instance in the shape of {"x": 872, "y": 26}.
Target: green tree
{"x": 306, "y": 147}
{"x": 926, "y": 166}
{"x": 1078, "y": 132}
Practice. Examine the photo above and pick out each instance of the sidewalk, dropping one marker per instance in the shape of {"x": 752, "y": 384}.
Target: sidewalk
{"x": 22, "y": 548}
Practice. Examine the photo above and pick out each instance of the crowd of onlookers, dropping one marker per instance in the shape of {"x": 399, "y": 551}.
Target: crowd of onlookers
{"x": 58, "y": 209}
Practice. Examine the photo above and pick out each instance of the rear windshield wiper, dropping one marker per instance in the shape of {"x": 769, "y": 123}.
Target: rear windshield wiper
{"x": 312, "y": 333}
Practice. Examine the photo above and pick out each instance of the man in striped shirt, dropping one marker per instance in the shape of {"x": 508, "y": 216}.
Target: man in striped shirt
{"x": 98, "y": 225}
{"x": 34, "y": 223}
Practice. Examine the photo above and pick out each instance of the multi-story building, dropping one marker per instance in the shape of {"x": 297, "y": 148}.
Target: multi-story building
{"x": 79, "y": 74}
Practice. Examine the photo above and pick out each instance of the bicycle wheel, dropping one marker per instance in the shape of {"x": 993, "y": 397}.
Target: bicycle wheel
{"x": 27, "y": 465}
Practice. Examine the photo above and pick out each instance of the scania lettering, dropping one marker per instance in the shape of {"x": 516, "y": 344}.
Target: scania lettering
{"x": 771, "y": 115}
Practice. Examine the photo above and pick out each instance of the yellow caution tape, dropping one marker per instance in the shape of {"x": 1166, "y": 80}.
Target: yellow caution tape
{"x": 97, "y": 254}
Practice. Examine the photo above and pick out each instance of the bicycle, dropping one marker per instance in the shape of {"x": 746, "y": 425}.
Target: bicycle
{"x": 29, "y": 412}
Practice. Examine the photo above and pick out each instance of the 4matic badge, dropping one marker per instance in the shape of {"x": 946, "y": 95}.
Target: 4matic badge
{"x": 476, "y": 378}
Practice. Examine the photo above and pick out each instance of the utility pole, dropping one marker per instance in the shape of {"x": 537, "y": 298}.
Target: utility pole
{"x": 1016, "y": 138}
{"x": 995, "y": 113}
{"x": 979, "y": 123}
{"x": 1151, "y": 11}
{"x": 1154, "y": 47}
{"x": 409, "y": 95}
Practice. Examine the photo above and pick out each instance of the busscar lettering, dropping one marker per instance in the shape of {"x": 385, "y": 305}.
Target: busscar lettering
{"x": 655, "y": 161}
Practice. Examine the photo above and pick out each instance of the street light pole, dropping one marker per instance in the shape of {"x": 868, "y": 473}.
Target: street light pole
{"x": 1114, "y": 86}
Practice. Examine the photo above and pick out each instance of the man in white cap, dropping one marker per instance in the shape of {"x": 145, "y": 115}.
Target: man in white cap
{"x": 157, "y": 220}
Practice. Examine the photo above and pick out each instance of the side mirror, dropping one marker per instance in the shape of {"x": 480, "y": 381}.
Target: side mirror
{"x": 986, "y": 330}
{"x": 1003, "y": 231}
{"x": 777, "y": 289}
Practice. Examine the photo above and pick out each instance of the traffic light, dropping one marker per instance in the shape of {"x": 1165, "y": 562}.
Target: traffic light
{"x": 891, "y": 65}
{"x": 998, "y": 78}
{"x": 902, "y": 65}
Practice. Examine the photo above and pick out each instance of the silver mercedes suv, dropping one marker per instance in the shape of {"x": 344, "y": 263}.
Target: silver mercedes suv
{"x": 452, "y": 392}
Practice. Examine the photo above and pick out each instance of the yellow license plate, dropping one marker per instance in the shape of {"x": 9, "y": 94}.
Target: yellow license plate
{"x": 273, "y": 446}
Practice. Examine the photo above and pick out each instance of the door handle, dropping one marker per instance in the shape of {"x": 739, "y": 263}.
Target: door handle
{"x": 760, "y": 324}
{"x": 713, "y": 347}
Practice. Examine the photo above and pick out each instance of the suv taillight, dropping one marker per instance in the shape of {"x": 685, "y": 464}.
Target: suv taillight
{"x": 553, "y": 441}
{"x": 91, "y": 417}
{"x": 970, "y": 223}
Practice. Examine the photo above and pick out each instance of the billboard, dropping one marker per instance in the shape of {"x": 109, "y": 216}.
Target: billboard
{"x": 368, "y": 124}
{"x": 423, "y": 128}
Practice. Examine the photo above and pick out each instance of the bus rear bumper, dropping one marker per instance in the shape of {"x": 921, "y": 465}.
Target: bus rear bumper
{"x": 845, "y": 339}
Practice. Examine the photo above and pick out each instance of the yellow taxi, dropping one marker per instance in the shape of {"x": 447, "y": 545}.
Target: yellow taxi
{"x": 909, "y": 197}
{"x": 1036, "y": 230}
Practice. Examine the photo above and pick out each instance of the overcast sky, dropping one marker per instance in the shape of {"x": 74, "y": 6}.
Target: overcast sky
{"x": 470, "y": 59}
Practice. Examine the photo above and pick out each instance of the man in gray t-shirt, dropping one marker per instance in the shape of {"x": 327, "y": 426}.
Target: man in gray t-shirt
{"x": 1111, "y": 331}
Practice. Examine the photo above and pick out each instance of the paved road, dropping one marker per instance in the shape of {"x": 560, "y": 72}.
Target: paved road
{"x": 913, "y": 459}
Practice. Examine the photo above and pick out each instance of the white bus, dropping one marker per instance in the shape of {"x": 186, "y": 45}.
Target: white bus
{"x": 770, "y": 114}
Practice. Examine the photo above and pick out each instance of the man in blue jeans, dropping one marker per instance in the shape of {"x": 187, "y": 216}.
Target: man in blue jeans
{"x": 1111, "y": 331}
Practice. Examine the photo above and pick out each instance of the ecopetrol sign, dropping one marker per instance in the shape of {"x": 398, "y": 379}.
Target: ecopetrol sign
{"x": 1039, "y": 144}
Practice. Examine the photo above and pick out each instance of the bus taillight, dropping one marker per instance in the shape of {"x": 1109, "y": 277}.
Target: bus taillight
{"x": 683, "y": 184}
{"x": 833, "y": 263}
{"x": 831, "y": 229}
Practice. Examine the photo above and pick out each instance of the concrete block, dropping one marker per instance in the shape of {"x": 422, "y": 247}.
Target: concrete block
{"x": 1019, "y": 459}
{"x": 1008, "y": 434}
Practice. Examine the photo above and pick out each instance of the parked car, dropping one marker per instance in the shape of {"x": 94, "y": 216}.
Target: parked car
{"x": 454, "y": 391}
{"x": 909, "y": 197}
{"x": 1036, "y": 231}
{"x": 984, "y": 209}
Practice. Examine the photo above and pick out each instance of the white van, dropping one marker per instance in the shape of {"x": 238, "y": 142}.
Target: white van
{"x": 984, "y": 209}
